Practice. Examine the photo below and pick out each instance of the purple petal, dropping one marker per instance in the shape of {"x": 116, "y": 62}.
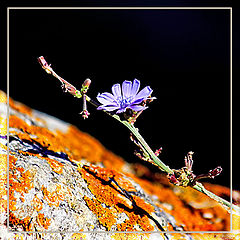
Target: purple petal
{"x": 137, "y": 108}
{"x": 126, "y": 89}
{"x": 116, "y": 90}
{"x": 144, "y": 93}
{"x": 137, "y": 101}
{"x": 106, "y": 98}
{"x": 135, "y": 87}
{"x": 121, "y": 110}
{"x": 108, "y": 107}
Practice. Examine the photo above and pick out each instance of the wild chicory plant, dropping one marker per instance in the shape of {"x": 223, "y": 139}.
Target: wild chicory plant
{"x": 125, "y": 104}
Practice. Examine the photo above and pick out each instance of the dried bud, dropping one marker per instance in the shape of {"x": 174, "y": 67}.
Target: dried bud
{"x": 215, "y": 172}
{"x": 182, "y": 177}
{"x": 158, "y": 151}
{"x": 85, "y": 114}
{"x": 190, "y": 154}
{"x": 173, "y": 179}
{"x": 69, "y": 88}
{"x": 188, "y": 160}
{"x": 44, "y": 64}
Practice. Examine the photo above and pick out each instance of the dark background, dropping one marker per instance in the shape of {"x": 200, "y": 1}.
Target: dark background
{"x": 184, "y": 55}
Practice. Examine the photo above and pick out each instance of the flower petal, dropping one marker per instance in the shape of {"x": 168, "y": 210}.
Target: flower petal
{"x": 135, "y": 87}
{"x": 116, "y": 90}
{"x": 126, "y": 89}
{"x": 137, "y": 101}
{"x": 106, "y": 98}
{"x": 138, "y": 108}
{"x": 144, "y": 93}
{"x": 108, "y": 107}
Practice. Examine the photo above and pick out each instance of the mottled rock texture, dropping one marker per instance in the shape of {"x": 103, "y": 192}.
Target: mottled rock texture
{"x": 63, "y": 181}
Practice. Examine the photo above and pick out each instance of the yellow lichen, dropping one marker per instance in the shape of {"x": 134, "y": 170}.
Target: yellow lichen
{"x": 131, "y": 236}
{"x": 3, "y": 183}
{"x": 78, "y": 236}
{"x": 3, "y": 126}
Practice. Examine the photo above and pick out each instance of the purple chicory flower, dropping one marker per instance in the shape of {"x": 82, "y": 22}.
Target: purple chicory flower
{"x": 127, "y": 97}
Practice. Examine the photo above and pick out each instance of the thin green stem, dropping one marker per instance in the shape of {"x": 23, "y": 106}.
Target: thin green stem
{"x": 227, "y": 205}
{"x": 136, "y": 133}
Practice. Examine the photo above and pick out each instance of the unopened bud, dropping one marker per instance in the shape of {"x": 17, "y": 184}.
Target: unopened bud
{"x": 44, "y": 64}
{"x": 215, "y": 172}
{"x": 85, "y": 85}
{"x": 158, "y": 151}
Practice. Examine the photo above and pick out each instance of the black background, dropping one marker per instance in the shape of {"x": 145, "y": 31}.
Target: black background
{"x": 184, "y": 55}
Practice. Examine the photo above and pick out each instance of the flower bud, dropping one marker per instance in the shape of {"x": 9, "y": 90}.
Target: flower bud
{"x": 215, "y": 172}
{"x": 87, "y": 83}
{"x": 44, "y": 64}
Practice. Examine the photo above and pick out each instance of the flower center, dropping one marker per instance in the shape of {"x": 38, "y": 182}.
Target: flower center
{"x": 125, "y": 102}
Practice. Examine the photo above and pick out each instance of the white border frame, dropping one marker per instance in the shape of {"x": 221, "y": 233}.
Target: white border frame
{"x": 119, "y": 8}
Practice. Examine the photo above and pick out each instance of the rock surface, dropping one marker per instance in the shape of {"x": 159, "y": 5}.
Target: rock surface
{"x": 63, "y": 181}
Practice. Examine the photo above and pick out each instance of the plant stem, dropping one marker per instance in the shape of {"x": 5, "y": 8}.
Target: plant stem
{"x": 227, "y": 205}
{"x": 136, "y": 133}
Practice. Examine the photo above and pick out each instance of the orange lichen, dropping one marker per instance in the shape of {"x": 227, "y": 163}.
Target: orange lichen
{"x": 142, "y": 204}
{"x": 19, "y": 107}
{"x": 37, "y": 203}
{"x": 19, "y": 180}
{"x": 53, "y": 197}
{"x": 105, "y": 174}
{"x": 55, "y": 165}
{"x": 43, "y": 221}
{"x": 111, "y": 161}
{"x": 83, "y": 145}
{"x": 109, "y": 194}
{"x": 25, "y": 223}
{"x": 42, "y": 135}
{"x": 182, "y": 212}
{"x": 218, "y": 190}
{"x": 22, "y": 183}
{"x": 106, "y": 216}
{"x": 76, "y": 144}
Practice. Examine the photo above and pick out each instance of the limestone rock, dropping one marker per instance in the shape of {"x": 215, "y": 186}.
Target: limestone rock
{"x": 63, "y": 184}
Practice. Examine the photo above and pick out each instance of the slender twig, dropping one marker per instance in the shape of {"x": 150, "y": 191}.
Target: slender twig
{"x": 146, "y": 149}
